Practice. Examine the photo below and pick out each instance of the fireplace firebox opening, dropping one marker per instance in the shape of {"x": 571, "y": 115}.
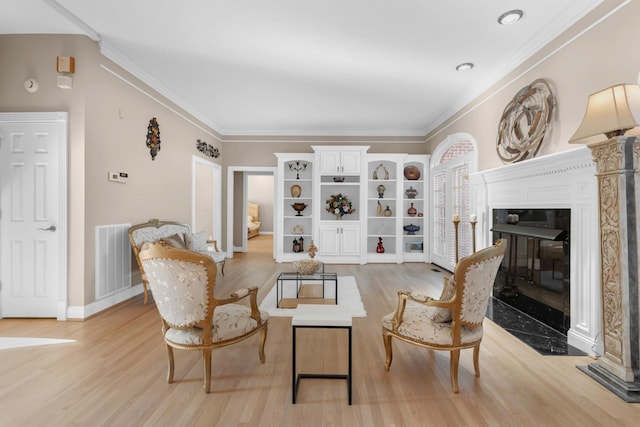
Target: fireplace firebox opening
{"x": 534, "y": 274}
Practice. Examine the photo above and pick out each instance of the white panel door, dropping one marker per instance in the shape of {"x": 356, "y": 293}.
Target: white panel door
{"x": 29, "y": 219}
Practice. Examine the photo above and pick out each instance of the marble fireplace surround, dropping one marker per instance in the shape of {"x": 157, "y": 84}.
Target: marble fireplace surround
{"x": 562, "y": 180}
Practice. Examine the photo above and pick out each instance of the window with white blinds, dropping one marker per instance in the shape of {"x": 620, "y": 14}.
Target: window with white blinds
{"x": 450, "y": 190}
{"x": 439, "y": 210}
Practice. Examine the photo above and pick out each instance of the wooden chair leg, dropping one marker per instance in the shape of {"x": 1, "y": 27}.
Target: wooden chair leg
{"x": 146, "y": 292}
{"x": 455, "y": 359}
{"x": 206, "y": 356}
{"x": 389, "y": 350}
{"x": 263, "y": 340}
{"x": 170, "y": 368}
{"x": 476, "y": 359}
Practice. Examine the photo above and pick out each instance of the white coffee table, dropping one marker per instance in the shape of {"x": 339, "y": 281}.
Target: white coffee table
{"x": 320, "y": 316}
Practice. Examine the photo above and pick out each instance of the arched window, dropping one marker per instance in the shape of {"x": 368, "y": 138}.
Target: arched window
{"x": 452, "y": 162}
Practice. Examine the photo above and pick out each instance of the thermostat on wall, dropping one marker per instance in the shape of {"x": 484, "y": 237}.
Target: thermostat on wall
{"x": 120, "y": 177}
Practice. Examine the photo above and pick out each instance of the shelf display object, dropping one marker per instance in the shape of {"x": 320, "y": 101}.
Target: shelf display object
{"x": 415, "y": 205}
{"x": 294, "y": 206}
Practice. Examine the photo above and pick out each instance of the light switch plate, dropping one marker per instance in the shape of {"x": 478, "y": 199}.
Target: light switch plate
{"x": 65, "y": 82}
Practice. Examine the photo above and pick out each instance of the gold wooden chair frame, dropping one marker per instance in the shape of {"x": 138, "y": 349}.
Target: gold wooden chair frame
{"x": 182, "y": 283}
{"x": 454, "y": 322}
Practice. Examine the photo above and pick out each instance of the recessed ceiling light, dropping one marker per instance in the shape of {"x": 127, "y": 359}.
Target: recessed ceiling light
{"x": 510, "y": 17}
{"x": 465, "y": 66}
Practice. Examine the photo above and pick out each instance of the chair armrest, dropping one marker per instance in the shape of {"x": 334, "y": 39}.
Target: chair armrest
{"x": 426, "y": 300}
{"x": 402, "y": 303}
{"x": 404, "y": 296}
{"x": 214, "y": 243}
{"x": 242, "y": 293}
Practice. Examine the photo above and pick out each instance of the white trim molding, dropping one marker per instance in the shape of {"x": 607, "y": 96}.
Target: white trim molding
{"x": 564, "y": 180}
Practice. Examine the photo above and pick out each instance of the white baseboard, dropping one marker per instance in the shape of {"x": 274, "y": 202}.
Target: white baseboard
{"x": 83, "y": 312}
{"x": 583, "y": 343}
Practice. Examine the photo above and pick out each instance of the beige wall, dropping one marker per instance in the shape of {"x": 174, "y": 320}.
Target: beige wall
{"x": 603, "y": 56}
{"x": 203, "y": 203}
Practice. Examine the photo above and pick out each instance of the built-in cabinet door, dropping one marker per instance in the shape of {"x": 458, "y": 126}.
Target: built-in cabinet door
{"x": 339, "y": 239}
{"x": 328, "y": 241}
{"x": 330, "y": 162}
{"x": 337, "y": 162}
{"x": 350, "y": 240}
{"x": 350, "y": 161}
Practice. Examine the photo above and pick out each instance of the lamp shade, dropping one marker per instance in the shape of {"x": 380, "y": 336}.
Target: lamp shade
{"x": 611, "y": 112}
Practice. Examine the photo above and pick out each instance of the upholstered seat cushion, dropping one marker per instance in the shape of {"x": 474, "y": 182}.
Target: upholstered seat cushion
{"x": 419, "y": 323}
{"x": 217, "y": 257}
{"x": 229, "y": 321}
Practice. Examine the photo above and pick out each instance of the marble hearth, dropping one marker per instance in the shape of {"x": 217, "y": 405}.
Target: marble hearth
{"x": 564, "y": 180}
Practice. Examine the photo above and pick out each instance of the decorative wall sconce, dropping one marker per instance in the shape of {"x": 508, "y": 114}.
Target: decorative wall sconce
{"x": 153, "y": 138}
{"x": 207, "y": 149}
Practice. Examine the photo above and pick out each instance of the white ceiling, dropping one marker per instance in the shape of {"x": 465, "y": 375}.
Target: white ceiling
{"x": 308, "y": 67}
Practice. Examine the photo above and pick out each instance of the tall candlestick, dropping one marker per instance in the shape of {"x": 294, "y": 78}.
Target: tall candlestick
{"x": 473, "y": 235}
{"x": 456, "y": 221}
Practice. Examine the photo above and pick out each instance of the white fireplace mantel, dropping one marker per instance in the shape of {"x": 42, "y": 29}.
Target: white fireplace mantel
{"x": 562, "y": 180}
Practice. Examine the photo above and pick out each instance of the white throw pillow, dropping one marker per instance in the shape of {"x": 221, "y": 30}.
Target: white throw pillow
{"x": 196, "y": 241}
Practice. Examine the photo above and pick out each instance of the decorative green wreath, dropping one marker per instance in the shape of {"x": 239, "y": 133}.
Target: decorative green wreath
{"x": 339, "y": 205}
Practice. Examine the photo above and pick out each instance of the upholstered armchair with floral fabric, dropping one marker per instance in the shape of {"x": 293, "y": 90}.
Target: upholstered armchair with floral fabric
{"x": 182, "y": 283}
{"x": 454, "y": 322}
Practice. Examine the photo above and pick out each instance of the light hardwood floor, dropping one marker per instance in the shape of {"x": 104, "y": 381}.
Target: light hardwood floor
{"x": 115, "y": 374}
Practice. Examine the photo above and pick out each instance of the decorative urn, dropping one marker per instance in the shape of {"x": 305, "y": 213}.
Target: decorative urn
{"x": 299, "y": 207}
{"x": 411, "y": 172}
{"x": 411, "y": 229}
{"x": 411, "y": 192}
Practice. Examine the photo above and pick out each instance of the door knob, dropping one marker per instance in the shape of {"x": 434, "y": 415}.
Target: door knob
{"x": 49, "y": 228}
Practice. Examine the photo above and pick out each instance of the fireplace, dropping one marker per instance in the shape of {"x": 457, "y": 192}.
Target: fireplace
{"x": 534, "y": 276}
{"x": 563, "y": 182}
